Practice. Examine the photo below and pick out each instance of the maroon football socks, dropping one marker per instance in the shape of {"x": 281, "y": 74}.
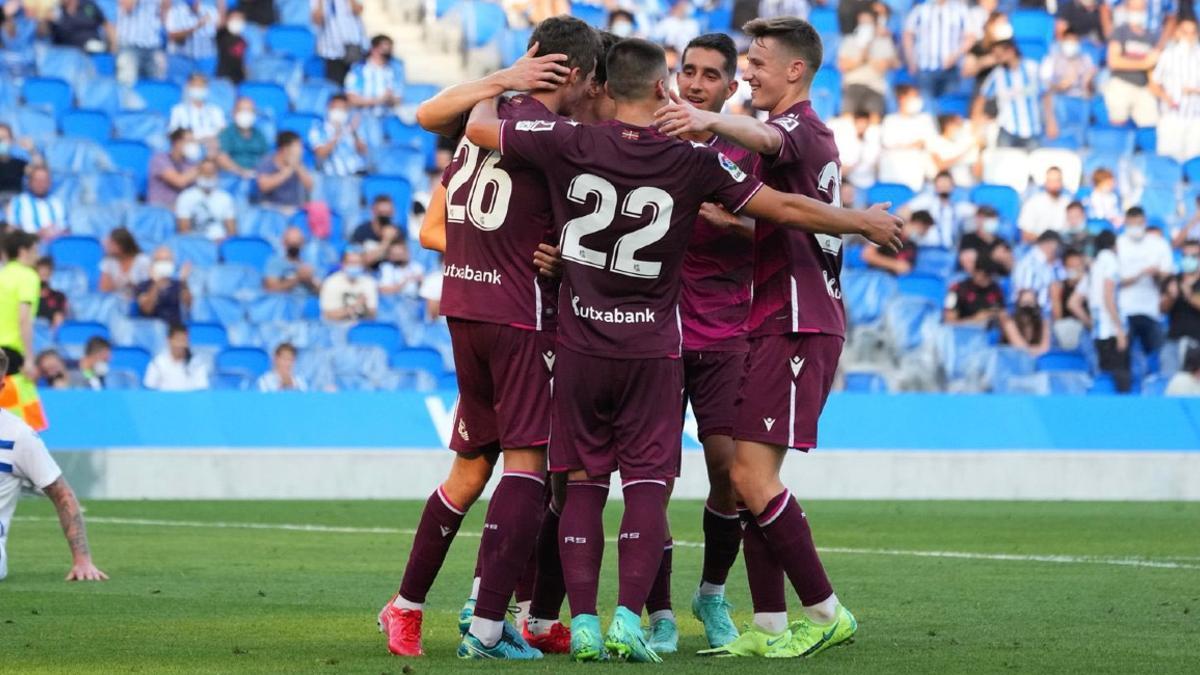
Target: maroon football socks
{"x": 439, "y": 523}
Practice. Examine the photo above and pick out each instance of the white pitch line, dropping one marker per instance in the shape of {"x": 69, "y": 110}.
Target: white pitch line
{"x": 338, "y": 529}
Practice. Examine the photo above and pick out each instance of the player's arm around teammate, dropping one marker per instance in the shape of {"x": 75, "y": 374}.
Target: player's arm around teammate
{"x": 433, "y": 227}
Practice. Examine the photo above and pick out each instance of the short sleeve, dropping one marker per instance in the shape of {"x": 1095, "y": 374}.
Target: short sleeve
{"x": 184, "y": 205}
{"x": 33, "y": 460}
{"x": 724, "y": 181}
{"x": 535, "y": 142}
{"x": 910, "y": 22}
{"x": 30, "y": 290}
{"x": 354, "y": 80}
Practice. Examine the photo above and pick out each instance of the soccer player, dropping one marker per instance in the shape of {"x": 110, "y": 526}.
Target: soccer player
{"x": 24, "y": 459}
{"x": 501, "y": 329}
{"x": 625, "y": 198}
{"x": 797, "y": 323}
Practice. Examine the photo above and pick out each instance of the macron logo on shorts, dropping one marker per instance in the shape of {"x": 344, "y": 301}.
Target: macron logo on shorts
{"x": 797, "y": 363}
{"x": 468, "y": 273}
{"x": 548, "y": 357}
{"x": 617, "y": 315}
{"x": 769, "y": 423}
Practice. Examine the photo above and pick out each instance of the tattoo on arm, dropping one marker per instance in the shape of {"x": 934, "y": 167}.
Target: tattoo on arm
{"x": 69, "y": 516}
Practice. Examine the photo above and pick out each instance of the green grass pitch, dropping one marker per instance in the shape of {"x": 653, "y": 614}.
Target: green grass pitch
{"x": 206, "y": 598}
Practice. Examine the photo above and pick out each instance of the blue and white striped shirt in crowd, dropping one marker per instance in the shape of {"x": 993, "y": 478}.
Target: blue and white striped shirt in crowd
{"x": 344, "y": 160}
{"x": 1157, "y": 12}
{"x": 938, "y": 29}
{"x": 271, "y": 382}
{"x": 1034, "y": 273}
{"x": 1178, "y": 69}
{"x": 372, "y": 81}
{"x": 142, "y": 27}
{"x": 341, "y": 27}
{"x": 769, "y": 9}
{"x": 204, "y": 121}
{"x": 1018, "y": 93}
{"x": 948, "y": 217}
{"x": 34, "y": 214}
{"x": 201, "y": 43}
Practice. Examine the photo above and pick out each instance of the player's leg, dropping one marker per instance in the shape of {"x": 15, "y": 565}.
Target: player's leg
{"x": 542, "y": 629}
{"x": 663, "y": 636}
{"x": 581, "y": 548}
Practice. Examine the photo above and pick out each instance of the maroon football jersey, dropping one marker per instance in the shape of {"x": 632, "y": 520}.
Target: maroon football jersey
{"x": 625, "y": 200}
{"x": 796, "y": 274}
{"x": 717, "y": 271}
{"x": 497, "y": 212}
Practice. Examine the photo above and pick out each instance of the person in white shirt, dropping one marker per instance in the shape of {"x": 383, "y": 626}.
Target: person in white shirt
{"x": 1108, "y": 330}
{"x": 398, "y": 275}
{"x": 1046, "y": 210}
{"x": 865, "y": 57}
{"x": 35, "y": 211}
{"x": 204, "y": 208}
{"x": 175, "y": 369}
{"x": 948, "y": 215}
{"x": 956, "y": 149}
{"x": 350, "y": 294}
{"x": 677, "y": 28}
{"x": 24, "y": 460}
{"x": 205, "y": 120}
{"x": 282, "y": 376}
{"x": 1175, "y": 80}
{"x": 909, "y": 128}
{"x": 859, "y": 143}
{"x": 1145, "y": 262}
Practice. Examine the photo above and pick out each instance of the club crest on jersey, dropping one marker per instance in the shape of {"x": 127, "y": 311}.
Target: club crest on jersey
{"x": 788, "y": 123}
{"x": 534, "y": 125}
{"x": 462, "y": 430}
{"x": 731, "y": 168}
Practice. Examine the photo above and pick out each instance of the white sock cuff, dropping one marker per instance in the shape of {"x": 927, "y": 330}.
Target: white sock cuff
{"x": 662, "y": 614}
{"x": 401, "y": 603}
{"x": 771, "y": 622}
{"x": 711, "y": 589}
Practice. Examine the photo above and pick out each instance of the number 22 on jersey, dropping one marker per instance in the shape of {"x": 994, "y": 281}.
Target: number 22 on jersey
{"x": 485, "y": 203}
{"x": 624, "y": 253}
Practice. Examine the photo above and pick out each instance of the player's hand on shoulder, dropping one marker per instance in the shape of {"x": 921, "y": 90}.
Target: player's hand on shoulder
{"x": 548, "y": 261}
{"x": 881, "y": 227}
{"x": 680, "y": 117}
{"x": 533, "y": 73}
{"x": 86, "y": 571}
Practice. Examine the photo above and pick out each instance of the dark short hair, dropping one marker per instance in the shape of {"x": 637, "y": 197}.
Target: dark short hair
{"x": 633, "y": 67}
{"x": 1007, "y": 44}
{"x": 379, "y": 39}
{"x": 95, "y": 345}
{"x": 720, "y": 43}
{"x": 903, "y": 90}
{"x": 989, "y": 266}
{"x": 570, "y": 36}
{"x": 285, "y": 347}
{"x": 1104, "y": 241}
{"x": 285, "y": 138}
{"x": 381, "y": 199}
{"x": 987, "y": 210}
{"x": 45, "y": 353}
{"x": 337, "y": 98}
{"x": 1049, "y": 236}
{"x": 1075, "y": 205}
{"x": 1135, "y": 212}
{"x": 16, "y": 241}
{"x": 607, "y": 40}
{"x": 1191, "y": 357}
{"x": 945, "y": 119}
{"x": 178, "y": 135}
{"x": 922, "y": 216}
{"x": 45, "y": 261}
{"x": 944, "y": 174}
{"x": 1071, "y": 252}
{"x": 1190, "y": 242}
{"x": 796, "y": 35}
{"x": 175, "y": 329}
{"x": 125, "y": 241}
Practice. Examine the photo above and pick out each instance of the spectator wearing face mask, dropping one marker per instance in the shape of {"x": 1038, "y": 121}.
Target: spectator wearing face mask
{"x": 977, "y": 300}
{"x": 865, "y": 58}
{"x": 139, "y": 40}
{"x": 1132, "y": 55}
{"x": 1075, "y": 232}
{"x": 678, "y": 27}
{"x": 1045, "y": 211}
{"x": 35, "y": 210}
{"x": 1104, "y": 312}
{"x": 166, "y": 294}
{"x": 1157, "y": 15}
{"x": 282, "y": 376}
{"x": 1145, "y": 263}
{"x": 12, "y": 167}
{"x": 1068, "y": 69}
{"x": 376, "y": 86}
{"x": 948, "y": 212}
{"x": 1181, "y": 299}
{"x": 1024, "y": 108}
{"x": 205, "y": 208}
{"x": 908, "y": 127}
{"x": 622, "y": 24}
{"x": 398, "y": 275}
{"x": 173, "y": 171}
{"x": 1040, "y": 272}
{"x": 936, "y": 37}
{"x": 243, "y": 146}
{"x": 1175, "y": 80}
{"x": 1026, "y": 329}
{"x": 290, "y": 272}
{"x": 52, "y": 370}
{"x": 956, "y": 150}
{"x": 205, "y": 120}
{"x": 340, "y": 35}
{"x": 231, "y": 47}
{"x": 92, "y": 370}
{"x": 1081, "y": 17}
{"x": 900, "y": 263}
{"x": 174, "y": 369}
{"x": 350, "y": 294}
{"x": 981, "y": 241}
{"x": 52, "y": 304}
{"x": 1071, "y": 316}
{"x": 192, "y": 29}
{"x": 283, "y": 180}
{"x": 339, "y": 148}
{"x": 859, "y": 142}
{"x": 982, "y": 58}
{"x": 375, "y": 235}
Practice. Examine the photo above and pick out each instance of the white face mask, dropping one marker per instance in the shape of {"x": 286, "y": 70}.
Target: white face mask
{"x": 1136, "y": 19}
{"x": 197, "y": 93}
{"x": 192, "y": 151}
{"x": 207, "y": 183}
{"x": 100, "y": 369}
{"x": 338, "y": 116}
{"x": 622, "y": 29}
{"x": 244, "y": 119}
{"x": 1135, "y": 232}
{"x": 162, "y": 269}
{"x": 913, "y": 106}
{"x": 1003, "y": 31}
{"x": 864, "y": 33}
{"x": 236, "y": 26}
{"x": 1070, "y": 49}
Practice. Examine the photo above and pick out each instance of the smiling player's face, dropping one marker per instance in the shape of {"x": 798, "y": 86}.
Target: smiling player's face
{"x": 702, "y": 80}
{"x": 768, "y": 69}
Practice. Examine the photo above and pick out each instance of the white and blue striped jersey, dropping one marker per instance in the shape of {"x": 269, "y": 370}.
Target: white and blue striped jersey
{"x": 141, "y": 27}
{"x": 372, "y": 81}
{"x": 202, "y": 43}
{"x": 1178, "y": 71}
{"x": 24, "y": 460}
{"x": 344, "y": 160}
{"x": 938, "y": 30}
{"x": 1157, "y": 12}
{"x": 341, "y": 27}
{"x": 34, "y": 214}
{"x": 1018, "y": 93}
{"x": 1034, "y": 273}
{"x": 204, "y": 121}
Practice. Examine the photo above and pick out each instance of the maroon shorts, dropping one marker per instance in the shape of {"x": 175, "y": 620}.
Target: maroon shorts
{"x": 711, "y": 381}
{"x": 617, "y": 414}
{"x": 788, "y": 378}
{"x": 503, "y": 387}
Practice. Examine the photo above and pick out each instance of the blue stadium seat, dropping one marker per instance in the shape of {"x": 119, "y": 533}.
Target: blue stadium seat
{"x": 376, "y": 333}
{"x": 1191, "y": 170}
{"x": 158, "y": 95}
{"x": 147, "y": 126}
{"x": 297, "y": 42}
{"x": 50, "y": 93}
{"x": 1071, "y": 112}
{"x": 343, "y": 194}
{"x": 954, "y": 104}
{"x": 824, "y": 20}
{"x": 240, "y": 282}
{"x": 223, "y": 309}
{"x": 513, "y": 45}
{"x": 413, "y": 136}
{"x": 1145, "y": 139}
{"x": 262, "y": 222}
{"x": 134, "y": 359}
{"x": 101, "y": 93}
{"x": 1110, "y": 140}
{"x": 66, "y": 63}
{"x": 905, "y": 318}
{"x": 133, "y": 156}
{"x": 1035, "y": 24}
{"x": 866, "y": 383}
{"x": 1155, "y": 385}
{"x": 210, "y": 335}
{"x": 415, "y": 93}
{"x": 361, "y": 367}
{"x": 82, "y": 252}
{"x": 396, "y": 187}
{"x": 897, "y": 194}
{"x": 103, "y": 63}
{"x": 1098, "y": 225}
{"x": 1160, "y": 203}
{"x": 313, "y": 96}
{"x": 1069, "y": 382}
{"x": 75, "y": 155}
{"x": 1103, "y": 384}
{"x": 399, "y": 160}
{"x": 150, "y": 225}
{"x": 1060, "y": 361}
{"x": 936, "y": 261}
{"x": 314, "y": 67}
{"x": 267, "y": 96}
{"x": 482, "y": 22}
{"x": 447, "y": 382}
{"x": 223, "y": 94}
{"x": 299, "y": 123}
{"x": 117, "y": 187}
{"x": 37, "y": 124}
{"x": 70, "y": 280}
{"x": 72, "y": 336}
{"x": 1160, "y": 171}
{"x": 1033, "y": 48}
{"x": 101, "y": 307}
{"x": 1003, "y": 198}
{"x": 417, "y": 359}
{"x": 232, "y": 381}
{"x": 594, "y": 14}
{"x": 149, "y": 334}
{"x": 249, "y": 251}
{"x": 827, "y": 93}
{"x": 93, "y": 125}
{"x": 293, "y": 12}
{"x": 866, "y": 293}
{"x": 962, "y": 350}
{"x": 196, "y": 249}
{"x": 243, "y": 360}
{"x": 277, "y": 69}
{"x": 278, "y": 307}
{"x": 337, "y": 227}
{"x": 929, "y": 286}
{"x": 1006, "y": 363}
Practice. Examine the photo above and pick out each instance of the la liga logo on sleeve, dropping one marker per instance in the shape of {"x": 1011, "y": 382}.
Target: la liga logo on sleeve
{"x": 534, "y": 125}
{"x": 732, "y": 169}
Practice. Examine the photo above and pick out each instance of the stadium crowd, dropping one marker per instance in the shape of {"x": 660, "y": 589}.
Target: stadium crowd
{"x": 252, "y": 172}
